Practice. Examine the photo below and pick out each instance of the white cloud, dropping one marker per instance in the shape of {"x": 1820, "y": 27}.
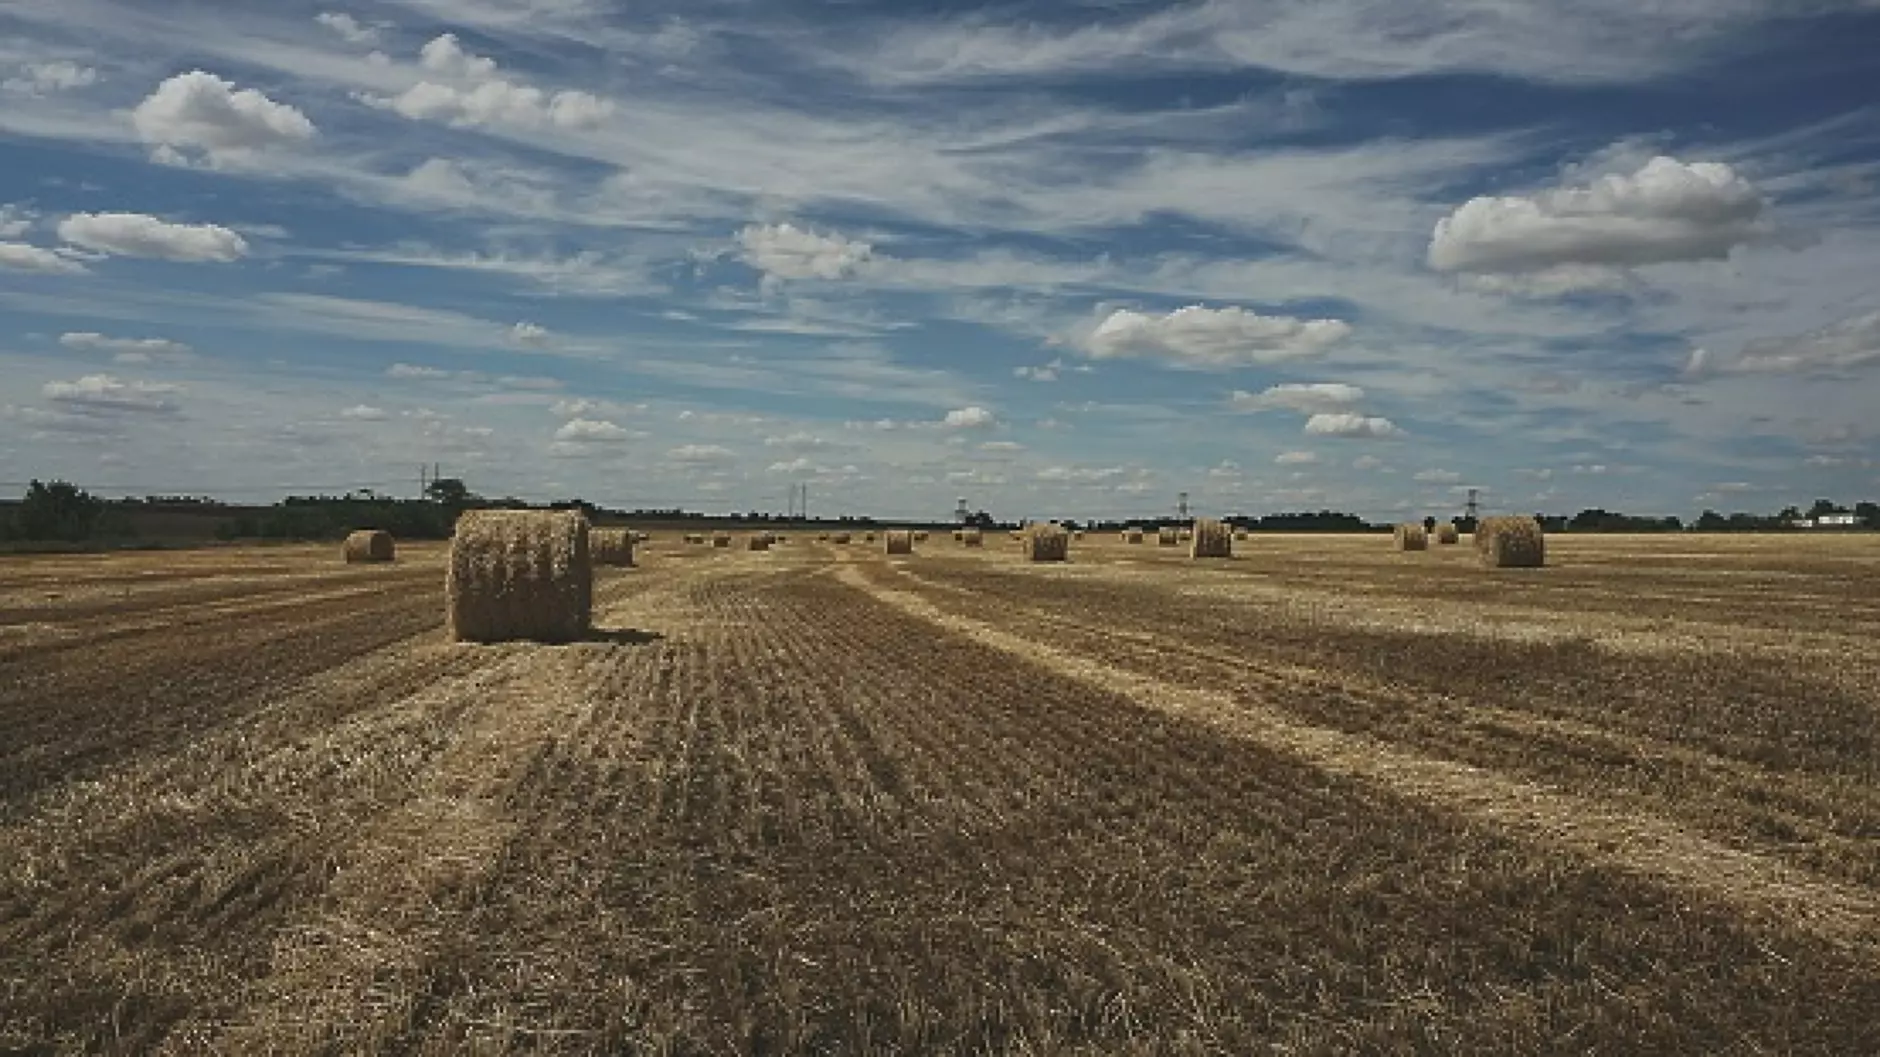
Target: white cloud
{"x": 21, "y": 257}
{"x": 1350, "y": 425}
{"x": 410, "y": 372}
{"x": 479, "y": 97}
{"x": 1047, "y": 373}
{"x": 530, "y": 334}
{"x": 592, "y": 431}
{"x": 968, "y": 418}
{"x": 1307, "y": 398}
{"x": 1438, "y": 477}
{"x": 140, "y": 235}
{"x": 1295, "y": 458}
{"x": 1666, "y": 211}
{"x": 105, "y": 394}
{"x": 15, "y": 221}
{"x": 198, "y": 112}
{"x": 1597, "y": 469}
{"x": 799, "y": 465}
{"x": 1082, "y": 474}
{"x": 345, "y": 25}
{"x": 45, "y": 78}
{"x": 127, "y": 350}
{"x": 1213, "y": 338}
{"x": 784, "y": 251}
{"x": 796, "y": 442}
{"x": 1367, "y": 462}
{"x": 1002, "y": 446}
{"x": 1842, "y": 346}
{"x": 701, "y": 454}
{"x": 364, "y": 413}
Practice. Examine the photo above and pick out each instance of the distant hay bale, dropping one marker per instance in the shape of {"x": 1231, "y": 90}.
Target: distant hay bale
{"x": 1411, "y": 536}
{"x": 900, "y": 542}
{"x": 610, "y": 546}
{"x": 519, "y": 575}
{"x": 1167, "y": 537}
{"x": 959, "y": 535}
{"x": 822, "y": 537}
{"x": 1186, "y": 535}
{"x": 1447, "y": 535}
{"x": 1212, "y": 539}
{"x": 1511, "y": 543}
{"x": 840, "y": 537}
{"x": 920, "y": 535}
{"x": 1077, "y": 536}
{"x": 1046, "y": 542}
{"x": 972, "y": 538}
{"x": 1132, "y": 535}
{"x": 868, "y": 538}
{"x": 721, "y": 539}
{"x": 759, "y": 542}
{"x": 1017, "y": 535}
{"x": 1240, "y": 533}
{"x": 695, "y": 537}
{"x": 368, "y": 545}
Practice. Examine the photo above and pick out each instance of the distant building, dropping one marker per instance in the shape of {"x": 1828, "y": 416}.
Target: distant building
{"x": 1838, "y": 521}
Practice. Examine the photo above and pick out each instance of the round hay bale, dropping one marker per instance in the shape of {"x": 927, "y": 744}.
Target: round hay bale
{"x": 368, "y": 545}
{"x": 959, "y": 535}
{"x": 1046, "y": 542}
{"x": 1447, "y": 535}
{"x": 519, "y": 575}
{"x": 1240, "y": 534}
{"x": 694, "y": 537}
{"x": 1167, "y": 537}
{"x": 869, "y": 538}
{"x": 759, "y": 542}
{"x": 840, "y": 537}
{"x": 900, "y": 542}
{"x": 721, "y": 539}
{"x": 1132, "y": 535}
{"x": 1411, "y": 536}
{"x": 1211, "y": 539}
{"x": 920, "y": 535}
{"x": 1511, "y": 543}
{"x": 610, "y": 546}
{"x": 972, "y": 538}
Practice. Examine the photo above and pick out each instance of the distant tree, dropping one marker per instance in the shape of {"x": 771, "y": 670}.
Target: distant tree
{"x": 57, "y": 510}
{"x": 450, "y": 491}
{"x": 1868, "y": 513}
{"x": 1825, "y": 506}
{"x": 1429, "y": 524}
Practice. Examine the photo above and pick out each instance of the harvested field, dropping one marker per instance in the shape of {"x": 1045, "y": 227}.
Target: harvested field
{"x": 1332, "y": 801}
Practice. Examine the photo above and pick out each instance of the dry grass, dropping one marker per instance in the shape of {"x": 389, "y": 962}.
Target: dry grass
{"x": 369, "y": 545}
{"x": 1511, "y": 543}
{"x": 1447, "y": 535}
{"x": 609, "y": 546}
{"x": 1410, "y": 536}
{"x": 1045, "y": 542}
{"x": 1212, "y": 539}
{"x": 899, "y": 542}
{"x": 519, "y": 575}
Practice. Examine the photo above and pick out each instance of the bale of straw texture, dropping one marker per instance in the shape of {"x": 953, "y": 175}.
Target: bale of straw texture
{"x": 1240, "y": 534}
{"x": 721, "y": 539}
{"x": 920, "y": 535}
{"x": 1411, "y": 536}
{"x": 1212, "y": 539}
{"x": 368, "y": 545}
{"x": 1077, "y": 536}
{"x": 900, "y": 542}
{"x": 840, "y": 537}
{"x": 519, "y": 574}
{"x": 1167, "y": 537}
{"x": 1186, "y": 535}
{"x": 1047, "y": 543}
{"x": 1447, "y": 535}
{"x": 1018, "y": 535}
{"x": 610, "y": 546}
{"x": 1511, "y": 543}
{"x": 759, "y": 542}
{"x": 869, "y": 538}
{"x": 972, "y": 538}
{"x": 1134, "y": 535}
{"x": 694, "y": 537}
{"x": 958, "y": 535}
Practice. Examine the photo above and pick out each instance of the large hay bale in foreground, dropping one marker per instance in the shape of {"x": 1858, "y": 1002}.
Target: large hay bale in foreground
{"x": 1046, "y": 542}
{"x": 900, "y": 542}
{"x": 972, "y": 538}
{"x": 759, "y": 542}
{"x": 1411, "y": 536}
{"x": 1447, "y": 535}
{"x": 610, "y": 546}
{"x": 519, "y": 574}
{"x": 1511, "y": 543}
{"x": 1212, "y": 539}
{"x": 369, "y": 545}
{"x": 1167, "y": 537}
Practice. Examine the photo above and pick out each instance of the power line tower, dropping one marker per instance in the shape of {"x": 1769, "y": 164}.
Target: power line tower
{"x": 1181, "y": 507}
{"x": 960, "y": 513}
{"x": 1471, "y": 508}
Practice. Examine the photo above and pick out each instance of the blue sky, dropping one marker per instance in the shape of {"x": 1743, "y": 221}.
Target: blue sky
{"x": 1063, "y": 259}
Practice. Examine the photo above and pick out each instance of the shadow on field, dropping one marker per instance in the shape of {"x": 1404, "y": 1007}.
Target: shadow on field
{"x": 623, "y": 636}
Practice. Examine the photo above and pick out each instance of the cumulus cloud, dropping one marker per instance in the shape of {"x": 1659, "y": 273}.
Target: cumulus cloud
{"x": 1046, "y": 373}
{"x": 968, "y": 418}
{"x": 592, "y": 431}
{"x": 364, "y": 413}
{"x": 796, "y": 442}
{"x": 1082, "y": 474}
{"x": 1367, "y": 462}
{"x": 139, "y": 235}
{"x": 469, "y": 93}
{"x": 24, "y": 257}
{"x": 1438, "y": 477}
{"x": 103, "y": 394}
{"x": 412, "y": 372}
{"x": 199, "y": 115}
{"x": 530, "y": 334}
{"x": 45, "y": 78}
{"x": 1213, "y": 338}
{"x": 355, "y": 31}
{"x": 1295, "y": 458}
{"x": 1002, "y": 446}
{"x": 1350, "y": 425}
{"x": 701, "y": 454}
{"x": 15, "y": 221}
{"x": 126, "y": 350}
{"x": 1666, "y": 211}
{"x": 785, "y": 251}
{"x": 1307, "y": 398}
